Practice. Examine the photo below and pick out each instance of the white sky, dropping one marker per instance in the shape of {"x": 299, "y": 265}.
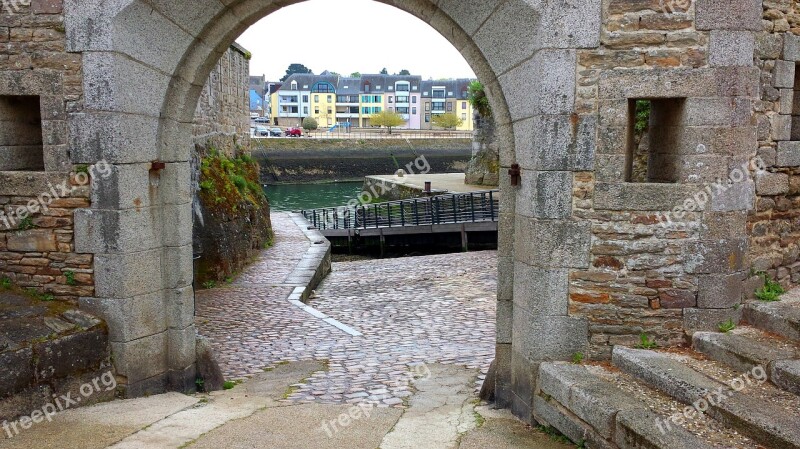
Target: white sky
{"x": 358, "y": 36}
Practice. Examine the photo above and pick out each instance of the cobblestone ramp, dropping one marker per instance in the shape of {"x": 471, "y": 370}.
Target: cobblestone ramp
{"x": 411, "y": 311}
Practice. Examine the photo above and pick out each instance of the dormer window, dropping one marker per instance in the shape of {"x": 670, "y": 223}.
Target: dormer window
{"x": 294, "y": 85}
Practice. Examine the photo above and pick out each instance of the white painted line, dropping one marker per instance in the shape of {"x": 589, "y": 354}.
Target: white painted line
{"x": 319, "y": 315}
{"x": 343, "y": 327}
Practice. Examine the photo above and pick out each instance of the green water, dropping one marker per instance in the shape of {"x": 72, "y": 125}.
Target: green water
{"x": 295, "y": 197}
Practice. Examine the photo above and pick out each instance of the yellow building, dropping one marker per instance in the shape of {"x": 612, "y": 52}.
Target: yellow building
{"x": 464, "y": 112}
{"x": 323, "y": 104}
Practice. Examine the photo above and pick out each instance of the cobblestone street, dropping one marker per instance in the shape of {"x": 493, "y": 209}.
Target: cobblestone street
{"x": 411, "y": 311}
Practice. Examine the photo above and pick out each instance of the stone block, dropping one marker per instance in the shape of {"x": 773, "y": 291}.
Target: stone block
{"x": 110, "y": 231}
{"x": 141, "y": 359}
{"x": 516, "y": 17}
{"x": 128, "y": 275}
{"x": 791, "y": 47}
{"x": 716, "y": 256}
{"x": 107, "y": 85}
{"x": 16, "y": 371}
{"x": 772, "y": 183}
{"x": 737, "y": 197}
{"x": 557, "y": 379}
{"x": 182, "y": 350}
{"x": 123, "y": 187}
{"x": 788, "y": 154}
{"x": 32, "y": 241}
{"x": 638, "y": 429}
{"x": 786, "y": 374}
{"x": 731, "y": 48}
{"x": 552, "y": 243}
{"x": 505, "y": 284}
{"x": 505, "y": 313}
{"x": 677, "y": 299}
{"x": 207, "y": 367}
{"x": 468, "y": 14}
{"x": 769, "y": 46}
{"x": 553, "y": 195}
{"x": 65, "y": 356}
{"x": 179, "y": 232}
{"x": 47, "y": 6}
{"x": 783, "y": 75}
{"x": 731, "y": 15}
{"x": 642, "y": 197}
{"x": 549, "y": 413}
{"x": 786, "y": 106}
{"x": 597, "y": 402}
{"x": 114, "y": 138}
{"x": 550, "y": 338}
{"x": 727, "y": 225}
{"x": 503, "y": 375}
{"x": 552, "y": 93}
{"x": 541, "y": 291}
{"x": 129, "y": 318}
{"x": 708, "y": 320}
{"x": 523, "y": 381}
{"x": 565, "y": 25}
{"x": 178, "y": 268}
{"x": 780, "y": 127}
{"x": 720, "y": 291}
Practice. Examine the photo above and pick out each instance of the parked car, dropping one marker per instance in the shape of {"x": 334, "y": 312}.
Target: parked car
{"x": 294, "y": 132}
{"x": 276, "y": 132}
{"x": 262, "y": 131}
{"x": 262, "y": 120}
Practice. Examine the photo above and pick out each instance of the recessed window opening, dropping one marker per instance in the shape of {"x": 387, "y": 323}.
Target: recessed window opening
{"x": 655, "y": 136}
{"x": 21, "y": 144}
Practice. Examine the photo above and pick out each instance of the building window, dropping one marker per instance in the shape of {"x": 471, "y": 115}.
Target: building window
{"x": 402, "y": 87}
{"x": 365, "y": 111}
{"x": 464, "y": 105}
{"x": 438, "y": 93}
{"x": 330, "y": 98}
{"x": 305, "y": 98}
{"x": 316, "y": 98}
{"x": 330, "y": 111}
{"x": 378, "y": 99}
{"x": 316, "y": 111}
{"x": 414, "y": 100}
{"x": 21, "y": 143}
{"x": 305, "y": 110}
{"x": 391, "y": 99}
{"x": 464, "y": 117}
{"x": 414, "y": 88}
{"x": 402, "y": 110}
{"x": 294, "y": 85}
{"x": 655, "y": 139}
{"x": 427, "y": 118}
{"x": 449, "y": 107}
{"x": 377, "y": 110}
{"x": 414, "y": 111}
{"x": 330, "y": 122}
{"x": 365, "y": 99}
{"x": 427, "y": 106}
{"x": 402, "y": 99}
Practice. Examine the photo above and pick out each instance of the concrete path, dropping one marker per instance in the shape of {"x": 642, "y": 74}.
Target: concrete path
{"x": 442, "y": 414}
{"x": 450, "y": 182}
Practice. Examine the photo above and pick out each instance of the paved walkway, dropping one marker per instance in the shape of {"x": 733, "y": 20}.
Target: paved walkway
{"x": 451, "y": 182}
{"x": 411, "y": 311}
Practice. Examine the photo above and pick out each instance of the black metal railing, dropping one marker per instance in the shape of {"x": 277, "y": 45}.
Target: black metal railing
{"x": 451, "y": 208}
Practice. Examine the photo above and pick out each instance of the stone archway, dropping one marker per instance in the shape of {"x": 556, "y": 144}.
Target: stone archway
{"x": 144, "y": 64}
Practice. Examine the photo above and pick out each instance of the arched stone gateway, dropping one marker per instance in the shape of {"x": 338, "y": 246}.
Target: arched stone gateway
{"x": 588, "y": 258}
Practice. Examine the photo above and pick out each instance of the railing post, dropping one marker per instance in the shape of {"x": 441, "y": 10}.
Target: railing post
{"x": 455, "y": 210}
{"x": 472, "y": 205}
{"x": 416, "y": 211}
{"x": 491, "y": 203}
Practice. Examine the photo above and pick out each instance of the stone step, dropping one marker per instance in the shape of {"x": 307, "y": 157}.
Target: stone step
{"x": 589, "y": 409}
{"x": 761, "y": 419}
{"x": 747, "y": 348}
{"x": 781, "y": 317}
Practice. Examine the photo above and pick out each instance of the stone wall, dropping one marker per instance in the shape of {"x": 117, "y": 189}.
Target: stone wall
{"x": 648, "y": 270}
{"x": 774, "y": 226}
{"x": 223, "y": 112}
{"x": 39, "y": 85}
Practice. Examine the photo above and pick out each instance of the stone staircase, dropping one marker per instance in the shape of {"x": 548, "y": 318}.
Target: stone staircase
{"x": 737, "y": 389}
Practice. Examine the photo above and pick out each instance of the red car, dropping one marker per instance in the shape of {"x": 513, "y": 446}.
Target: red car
{"x": 294, "y": 132}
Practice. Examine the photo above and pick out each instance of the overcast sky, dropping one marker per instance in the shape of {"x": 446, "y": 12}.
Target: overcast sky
{"x": 358, "y": 36}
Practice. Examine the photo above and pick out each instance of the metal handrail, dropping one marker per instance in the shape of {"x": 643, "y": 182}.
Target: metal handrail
{"x": 472, "y": 207}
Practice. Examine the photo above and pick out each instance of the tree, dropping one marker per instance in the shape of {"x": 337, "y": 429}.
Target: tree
{"x": 447, "y": 121}
{"x": 310, "y": 124}
{"x": 404, "y": 72}
{"x": 389, "y": 119}
{"x": 384, "y": 71}
{"x": 296, "y": 68}
{"x": 355, "y": 75}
